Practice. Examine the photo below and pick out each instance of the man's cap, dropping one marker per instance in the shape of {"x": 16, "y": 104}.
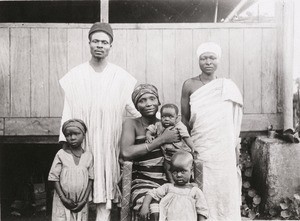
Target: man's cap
{"x": 104, "y": 27}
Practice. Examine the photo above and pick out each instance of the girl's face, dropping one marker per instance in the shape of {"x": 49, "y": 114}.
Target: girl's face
{"x": 148, "y": 105}
{"x": 168, "y": 117}
{"x": 74, "y": 136}
{"x": 181, "y": 172}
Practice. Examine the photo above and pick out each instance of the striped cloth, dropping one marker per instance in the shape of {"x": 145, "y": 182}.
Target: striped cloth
{"x": 147, "y": 173}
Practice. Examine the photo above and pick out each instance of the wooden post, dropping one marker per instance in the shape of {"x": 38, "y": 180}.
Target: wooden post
{"x": 287, "y": 61}
{"x": 104, "y": 7}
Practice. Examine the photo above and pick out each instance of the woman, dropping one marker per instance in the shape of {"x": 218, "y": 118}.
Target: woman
{"x": 148, "y": 171}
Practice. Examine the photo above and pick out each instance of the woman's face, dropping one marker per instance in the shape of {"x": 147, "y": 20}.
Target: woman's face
{"x": 147, "y": 105}
{"x": 208, "y": 62}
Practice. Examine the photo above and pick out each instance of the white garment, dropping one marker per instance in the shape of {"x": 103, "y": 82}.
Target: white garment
{"x": 100, "y": 99}
{"x": 103, "y": 214}
{"x": 216, "y": 114}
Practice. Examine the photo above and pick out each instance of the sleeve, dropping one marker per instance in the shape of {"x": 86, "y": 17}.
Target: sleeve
{"x": 66, "y": 115}
{"x": 182, "y": 130}
{"x": 201, "y": 204}
{"x": 91, "y": 168}
{"x": 54, "y": 174}
{"x": 159, "y": 192}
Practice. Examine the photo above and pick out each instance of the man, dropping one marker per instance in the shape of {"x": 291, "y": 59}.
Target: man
{"x": 211, "y": 108}
{"x": 98, "y": 92}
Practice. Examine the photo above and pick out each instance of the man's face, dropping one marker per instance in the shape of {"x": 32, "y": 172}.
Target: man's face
{"x": 100, "y": 45}
{"x": 208, "y": 62}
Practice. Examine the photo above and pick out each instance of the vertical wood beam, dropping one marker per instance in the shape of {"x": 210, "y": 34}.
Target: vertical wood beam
{"x": 287, "y": 61}
{"x": 104, "y": 9}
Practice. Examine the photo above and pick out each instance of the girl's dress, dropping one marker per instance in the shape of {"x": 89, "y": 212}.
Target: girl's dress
{"x": 73, "y": 180}
{"x": 179, "y": 203}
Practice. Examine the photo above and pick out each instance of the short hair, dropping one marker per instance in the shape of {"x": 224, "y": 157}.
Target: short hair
{"x": 172, "y": 106}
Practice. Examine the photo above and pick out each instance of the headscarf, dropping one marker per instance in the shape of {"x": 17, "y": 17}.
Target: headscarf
{"x": 104, "y": 27}
{"x": 74, "y": 123}
{"x": 209, "y": 47}
{"x": 142, "y": 89}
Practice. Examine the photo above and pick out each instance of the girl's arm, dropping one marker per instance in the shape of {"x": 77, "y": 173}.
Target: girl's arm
{"x": 145, "y": 209}
{"x": 130, "y": 151}
{"x": 85, "y": 198}
{"x": 68, "y": 203}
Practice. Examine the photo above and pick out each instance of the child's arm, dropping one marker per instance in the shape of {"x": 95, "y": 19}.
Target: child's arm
{"x": 145, "y": 209}
{"x": 68, "y": 203}
{"x": 150, "y": 133}
{"x": 167, "y": 171}
{"x": 85, "y": 198}
{"x": 190, "y": 143}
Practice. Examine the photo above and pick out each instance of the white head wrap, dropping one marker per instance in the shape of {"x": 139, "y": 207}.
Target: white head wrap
{"x": 209, "y": 47}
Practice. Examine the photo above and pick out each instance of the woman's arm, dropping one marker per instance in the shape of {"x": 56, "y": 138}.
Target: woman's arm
{"x": 130, "y": 151}
{"x": 185, "y": 105}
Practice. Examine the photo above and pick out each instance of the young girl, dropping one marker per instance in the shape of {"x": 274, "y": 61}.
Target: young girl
{"x": 169, "y": 119}
{"x": 181, "y": 200}
{"x": 72, "y": 174}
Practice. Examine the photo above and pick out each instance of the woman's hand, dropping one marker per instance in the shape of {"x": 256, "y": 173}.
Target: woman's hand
{"x": 68, "y": 203}
{"x": 170, "y": 135}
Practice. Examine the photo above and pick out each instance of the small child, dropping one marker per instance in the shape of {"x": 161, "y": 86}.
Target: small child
{"x": 181, "y": 200}
{"x": 72, "y": 174}
{"x": 169, "y": 118}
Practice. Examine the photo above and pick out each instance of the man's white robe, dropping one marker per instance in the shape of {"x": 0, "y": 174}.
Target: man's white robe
{"x": 216, "y": 115}
{"x": 100, "y": 99}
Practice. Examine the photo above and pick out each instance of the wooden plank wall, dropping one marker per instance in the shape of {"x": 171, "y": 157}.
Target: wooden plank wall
{"x": 33, "y": 57}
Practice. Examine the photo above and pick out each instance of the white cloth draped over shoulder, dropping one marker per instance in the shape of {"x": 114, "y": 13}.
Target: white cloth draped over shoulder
{"x": 100, "y": 99}
{"x": 216, "y": 115}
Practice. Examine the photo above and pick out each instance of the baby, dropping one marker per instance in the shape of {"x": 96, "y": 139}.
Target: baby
{"x": 169, "y": 118}
{"x": 180, "y": 200}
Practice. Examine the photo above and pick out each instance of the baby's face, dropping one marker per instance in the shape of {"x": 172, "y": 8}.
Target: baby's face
{"x": 168, "y": 117}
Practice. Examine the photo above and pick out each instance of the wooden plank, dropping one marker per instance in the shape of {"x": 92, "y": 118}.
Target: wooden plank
{"x": 260, "y": 122}
{"x": 269, "y": 71}
{"x": 53, "y": 139}
{"x": 118, "y": 50}
{"x": 136, "y": 54}
{"x": 154, "y": 57}
{"x": 184, "y": 61}
{"x": 86, "y": 54}
{"x": 4, "y": 73}
{"x": 74, "y": 47}
{"x": 236, "y": 59}
{"x": 221, "y": 37}
{"x": 1, "y": 126}
{"x": 199, "y": 36}
{"x": 20, "y": 72}
{"x": 31, "y": 126}
{"x": 252, "y": 70}
{"x": 58, "y": 68}
{"x": 143, "y": 26}
{"x": 104, "y": 10}
{"x": 39, "y": 72}
{"x": 168, "y": 59}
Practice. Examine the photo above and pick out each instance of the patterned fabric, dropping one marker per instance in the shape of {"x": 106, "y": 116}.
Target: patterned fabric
{"x": 147, "y": 173}
{"x": 180, "y": 203}
{"x": 144, "y": 89}
{"x": 100, "y": 100}
{"x": 216, "y": 114}
{"x": 73, "y": 180}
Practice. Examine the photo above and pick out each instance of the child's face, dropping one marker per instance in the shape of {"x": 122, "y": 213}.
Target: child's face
{"x": 168, "y": 117}
{"x": 181, "y": 172}
{"x": 74, "y": 136}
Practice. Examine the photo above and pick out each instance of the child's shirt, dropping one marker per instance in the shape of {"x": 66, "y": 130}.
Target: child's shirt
{"x": 158, "y": 129}
{"x": 73, "y": 178}
{"x": 180, "y": 203}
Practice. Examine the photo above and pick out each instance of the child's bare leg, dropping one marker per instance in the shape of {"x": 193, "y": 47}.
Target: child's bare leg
{"x": 167, "y": 171}
{"x": 154, "y": 210}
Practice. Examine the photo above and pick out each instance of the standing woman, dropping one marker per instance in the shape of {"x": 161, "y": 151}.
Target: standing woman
{"x": 148, "y": 171}
{"x": 211, "y": 108}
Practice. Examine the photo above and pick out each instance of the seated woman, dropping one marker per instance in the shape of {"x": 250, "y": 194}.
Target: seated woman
{"x": 148, "y": 171}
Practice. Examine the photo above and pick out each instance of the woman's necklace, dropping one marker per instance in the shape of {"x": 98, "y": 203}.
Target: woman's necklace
{"x": 203, "y": 82}
{"x": 75, "y": 154}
